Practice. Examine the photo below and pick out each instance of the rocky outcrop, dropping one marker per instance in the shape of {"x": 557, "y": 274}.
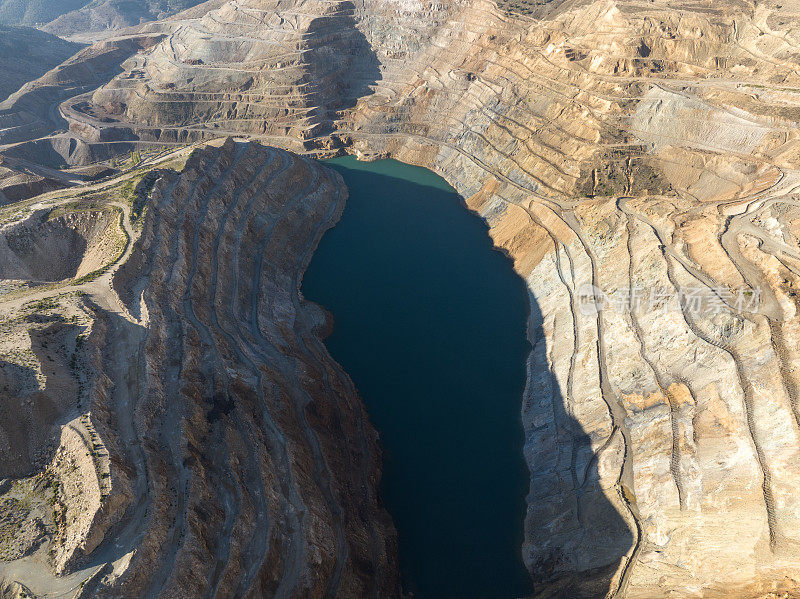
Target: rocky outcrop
{"x": 247, "y": 478}
{"x": 603, "y": 153}
{"x": 636, "y": 148}
{"x": 216, "y": 415}
{"x": 639, "y": 161}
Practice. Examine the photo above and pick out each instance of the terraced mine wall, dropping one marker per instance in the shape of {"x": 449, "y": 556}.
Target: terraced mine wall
{"x": 629, "y": 156}
{"x": 215, "y": 415}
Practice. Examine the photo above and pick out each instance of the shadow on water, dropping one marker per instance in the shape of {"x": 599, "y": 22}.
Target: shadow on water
{"x": 430, "y": 324}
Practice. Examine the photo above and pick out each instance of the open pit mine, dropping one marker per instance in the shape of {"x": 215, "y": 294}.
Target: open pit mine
{"x": 172, "y": 424}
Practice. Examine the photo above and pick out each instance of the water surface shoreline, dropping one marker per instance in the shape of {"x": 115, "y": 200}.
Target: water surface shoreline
{"x": 430, "y": 323}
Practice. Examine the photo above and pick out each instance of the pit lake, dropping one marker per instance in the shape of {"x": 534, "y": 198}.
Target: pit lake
{"x": 430, "y": 323}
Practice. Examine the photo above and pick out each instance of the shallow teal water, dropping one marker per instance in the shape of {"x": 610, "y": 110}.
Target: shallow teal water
{"x": 430, "y": 324}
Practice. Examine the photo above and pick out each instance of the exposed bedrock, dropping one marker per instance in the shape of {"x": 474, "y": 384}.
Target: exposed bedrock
{"x": 29, "y": 406}
{"x": 311, "y": 64}
{"x": 30, "y": 117}
{"x": 618, "y": 144}
{"x": 171, "y": 424}
{"x": 49, "y": 246}
{"x": 629, "y": 146}
{"x": 648, "y": 149}
{"x": 241, "y": 478}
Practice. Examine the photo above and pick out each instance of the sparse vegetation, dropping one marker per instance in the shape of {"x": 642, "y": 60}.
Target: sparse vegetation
{"x": 73, "y": 208}
{"x": 42, "y": 305}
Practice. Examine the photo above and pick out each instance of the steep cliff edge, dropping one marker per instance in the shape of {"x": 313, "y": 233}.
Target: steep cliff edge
{"x": 646, "y": 150}
{"x": 639, "y": 157}
{"x": 202, "y": 453}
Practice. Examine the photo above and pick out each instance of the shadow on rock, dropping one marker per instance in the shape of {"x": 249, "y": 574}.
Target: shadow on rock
{"x": 341, "y": 65}
{"x": 575, "y": 537}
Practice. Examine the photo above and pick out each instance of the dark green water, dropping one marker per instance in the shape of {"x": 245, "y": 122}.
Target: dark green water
{"x": 430, "y": 324}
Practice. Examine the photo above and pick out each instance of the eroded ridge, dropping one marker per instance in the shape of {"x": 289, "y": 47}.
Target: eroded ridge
{"x": 624, "y": 145}
{"x": 648, "y": 149}
{"x": 215, "y": 414}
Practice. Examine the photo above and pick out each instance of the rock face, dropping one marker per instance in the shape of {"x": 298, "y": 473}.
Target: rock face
{"x": 54, "y": 247}
{"x": 249, "y": 469}
{"x": 32, "y": 124}
{"x": 639, "y": 161}
{"x": 213, "y": 414}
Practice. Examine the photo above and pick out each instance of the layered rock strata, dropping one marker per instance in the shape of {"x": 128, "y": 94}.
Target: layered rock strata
{"x": 233, "y": 455}
{"x": 635, "y": 152}
{"x": 622, "y": 145}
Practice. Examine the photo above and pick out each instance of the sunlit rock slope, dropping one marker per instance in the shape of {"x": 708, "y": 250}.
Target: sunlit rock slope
{"x": 627, "y": 155}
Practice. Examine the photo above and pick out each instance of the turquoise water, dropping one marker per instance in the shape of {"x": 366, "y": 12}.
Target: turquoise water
{"x": 430, "y": 324}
